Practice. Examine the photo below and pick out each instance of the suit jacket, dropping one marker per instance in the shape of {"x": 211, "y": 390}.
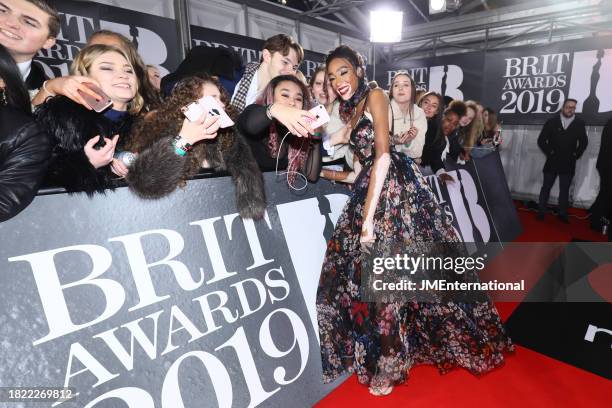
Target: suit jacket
{"x": 562, "y": 147}
{"x": 36, "y": 77}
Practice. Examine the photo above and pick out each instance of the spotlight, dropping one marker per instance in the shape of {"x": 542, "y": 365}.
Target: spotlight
{"x": 441, "y": 6}
{"x": 437, "y": 6}
{"x": 386, "y": 26}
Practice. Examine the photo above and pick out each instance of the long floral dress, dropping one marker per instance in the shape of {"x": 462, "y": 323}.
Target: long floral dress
{"x": 381, "y": 341}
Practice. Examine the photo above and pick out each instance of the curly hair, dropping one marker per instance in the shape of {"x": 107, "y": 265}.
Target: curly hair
{"x": 168, "y": 119}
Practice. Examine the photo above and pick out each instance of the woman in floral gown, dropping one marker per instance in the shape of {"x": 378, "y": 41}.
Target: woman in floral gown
{"x": 391, "y": 202}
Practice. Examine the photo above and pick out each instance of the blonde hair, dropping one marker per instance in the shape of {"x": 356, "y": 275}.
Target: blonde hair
{"x": 475, "y": 128}
{"x": 85, "y": 59}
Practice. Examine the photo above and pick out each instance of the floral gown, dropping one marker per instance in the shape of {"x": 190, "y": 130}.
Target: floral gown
{"x": 380, "y": 342}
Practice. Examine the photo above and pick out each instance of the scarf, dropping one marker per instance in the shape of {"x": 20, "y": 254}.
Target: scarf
{"x": 239, "y": 99}
{"x": 347, "y": 108}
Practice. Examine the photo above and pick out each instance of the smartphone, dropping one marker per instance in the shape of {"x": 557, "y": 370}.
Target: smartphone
{"x": 193, "y": 111}
{"x": 210, "y": 105}
{"x": 321, "y": 116}
{"x": 96, "y": 105}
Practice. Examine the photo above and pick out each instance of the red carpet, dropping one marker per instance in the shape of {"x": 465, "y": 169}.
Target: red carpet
{"x": 528, "y": 379}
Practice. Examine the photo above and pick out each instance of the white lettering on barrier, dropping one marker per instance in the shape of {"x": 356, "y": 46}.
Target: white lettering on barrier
{"x": 141, "y": 268}
{"x": 51, "y": 290}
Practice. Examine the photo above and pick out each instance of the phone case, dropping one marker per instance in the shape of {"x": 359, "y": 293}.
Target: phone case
{"x": 96, "y": 105}
{"x": 210, "y": 105}
{"x": 193, "y": 111}
{"x": 322, "y": 117}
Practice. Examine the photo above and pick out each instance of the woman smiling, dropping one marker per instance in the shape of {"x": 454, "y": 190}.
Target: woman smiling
{"x": 84, "y": 140}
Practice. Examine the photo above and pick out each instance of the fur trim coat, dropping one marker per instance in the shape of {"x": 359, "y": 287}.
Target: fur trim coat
{"x": 70, "y": 126}
{"x": 158, "y": 170}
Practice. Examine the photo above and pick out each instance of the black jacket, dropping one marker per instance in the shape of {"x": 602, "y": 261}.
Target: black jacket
{"x": 70, "y": 126}
{"x": 24, "y": 154}
{"x": 562, "y": 147}
{"x": 36, "y": 77}
{"x": 434, "y": 146}
{"x": 255, "y": 125}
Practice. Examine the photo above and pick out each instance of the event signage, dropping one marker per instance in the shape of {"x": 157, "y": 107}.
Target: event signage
{"x": 248, "y": 48}
{"x": 458, "y": 76}
{"x": 155, "y": 37}
{"x": 181, "y": 302}
{"x": 527, "y": 84}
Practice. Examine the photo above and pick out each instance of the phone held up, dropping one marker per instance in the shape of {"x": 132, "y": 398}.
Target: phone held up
{"x": 321, "y": 116}
{"x": 97, "y": 105}
{"x": 195, "y": 110}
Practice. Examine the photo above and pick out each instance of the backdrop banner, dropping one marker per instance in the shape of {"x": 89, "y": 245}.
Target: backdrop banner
{"x": 155, "y": 37}
{"x": 248, "y": 48}
{"x": 458, "y": 76}
{"x": 526, "y": 84}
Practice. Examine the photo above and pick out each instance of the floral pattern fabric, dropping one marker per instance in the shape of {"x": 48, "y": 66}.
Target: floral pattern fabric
{"x": 380, "y": 342}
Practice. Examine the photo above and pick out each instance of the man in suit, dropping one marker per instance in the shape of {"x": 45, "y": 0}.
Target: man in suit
{"x": 563, "y": 139}
{"x": 27, "y": 26}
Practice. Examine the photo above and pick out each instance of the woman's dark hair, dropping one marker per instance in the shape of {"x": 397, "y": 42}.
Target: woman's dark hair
{"x": 298, "y": 147}
{"x": 267, "y": 95}
{"x": 14, "y": 89}
{"x": 349, "y": 54}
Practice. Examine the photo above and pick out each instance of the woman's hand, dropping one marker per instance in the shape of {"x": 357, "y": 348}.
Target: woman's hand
{"x": 205, "y": 127}
{"x": 69, "y": 86}
{"x": 297, "y": 121}
{"x": 405, "y": 137}
{"x": 367, "y": 237}
{"x": 119, "y": 168}
{"x": 104, "y": 156}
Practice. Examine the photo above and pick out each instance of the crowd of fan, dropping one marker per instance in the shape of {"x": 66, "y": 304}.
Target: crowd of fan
{"x": 51, "y": 136}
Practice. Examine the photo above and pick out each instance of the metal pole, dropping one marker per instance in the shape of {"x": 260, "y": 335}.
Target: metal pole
{"x": 181, "y": 16}
{"x": 552, "y": 27}
{"x": 374, "y": 61}
{"x": 245, "y": 9}
{"x": 298, "y": 29}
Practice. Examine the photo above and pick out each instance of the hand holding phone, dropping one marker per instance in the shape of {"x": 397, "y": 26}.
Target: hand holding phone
{"x": 97, "y": 105}
{"x": 209, "y": 105}
{"x": 321, "y": 116}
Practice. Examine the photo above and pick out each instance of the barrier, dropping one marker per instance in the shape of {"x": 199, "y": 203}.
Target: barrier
{"x": 171, "y": 302}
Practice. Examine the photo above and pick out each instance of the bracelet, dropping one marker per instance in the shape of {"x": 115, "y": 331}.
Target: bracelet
{"x": 269, "y": 111}
{"x": 180, "y": 151}
{"x": 180, "y": 142}
{"x": 44, "y": 87}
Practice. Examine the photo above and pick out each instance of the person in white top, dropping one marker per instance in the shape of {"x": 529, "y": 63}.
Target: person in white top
{"x": 407, "y": 121}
